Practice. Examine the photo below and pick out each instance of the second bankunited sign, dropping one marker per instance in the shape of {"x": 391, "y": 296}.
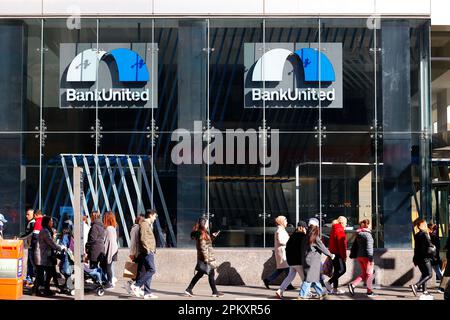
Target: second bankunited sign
{"x": 114, "y": 75}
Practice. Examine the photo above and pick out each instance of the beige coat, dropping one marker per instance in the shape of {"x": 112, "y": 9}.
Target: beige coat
{"x": 281, "y": 238}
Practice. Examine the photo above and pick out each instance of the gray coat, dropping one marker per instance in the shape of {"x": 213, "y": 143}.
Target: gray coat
{"x": 365, "y": 243}
{"x": 313, "y": 259}
{"x": 45, "y": 248}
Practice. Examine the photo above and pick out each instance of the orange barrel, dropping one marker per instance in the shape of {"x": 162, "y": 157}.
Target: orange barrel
{"x": 11, "y": 269}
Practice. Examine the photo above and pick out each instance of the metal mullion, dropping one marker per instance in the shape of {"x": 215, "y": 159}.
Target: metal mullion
{"x": 125, "y": 187}
{"x": 91, "y": 184}
{"x": 102, "y": 183}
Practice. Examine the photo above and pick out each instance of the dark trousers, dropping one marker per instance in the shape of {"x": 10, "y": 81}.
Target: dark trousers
{"x": 426, "y": 271}
{"x": 276, "y": 273}
{"x": 40, "y": 272}
{"x": 31, "y": 268}
{"x": 50, "y": 273}
{"x": 147, "y": 268}
{"x": 199, "y": 275}
{"x": 44, "y": 275}
{"x": 339, "y": 268}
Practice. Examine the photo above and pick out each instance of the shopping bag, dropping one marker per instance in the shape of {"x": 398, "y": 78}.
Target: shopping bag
{"x": 130, "y": 270}
{"x": 327, "y": 267}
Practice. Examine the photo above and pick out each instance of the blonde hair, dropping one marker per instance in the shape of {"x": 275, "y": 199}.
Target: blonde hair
{"x": 342, "y": 220}
{"x": 335, "y": 221}
{"x": 279, "y": 220}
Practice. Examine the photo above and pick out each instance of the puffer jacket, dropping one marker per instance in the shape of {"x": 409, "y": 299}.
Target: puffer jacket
{"x": 365, "y": 243}
{"x": 95, "y": 245}
{"x": 205, "y": 252}
{"x": 338, "y": 241}
{"x": 44, "y": 254}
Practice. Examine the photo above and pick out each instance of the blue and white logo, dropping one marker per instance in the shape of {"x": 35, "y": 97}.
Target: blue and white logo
{"x": 292, "y": 75}
{"x": 112, "y": 76}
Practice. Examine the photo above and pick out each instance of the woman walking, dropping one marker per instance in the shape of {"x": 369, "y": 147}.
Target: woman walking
{"x": 45, "y": 257}
{"x": 206, "y": 262}
{"x": 424, "y": 251}
{"x": 337, "y": 246}
{"x": 363, "y": 251}
{"x": 436, "y": 260}
{"x": 95, "y": 245}
{"x": 111, "y": 247}
{"x": 312, "y": 261}
{"x": 281, "y": 239}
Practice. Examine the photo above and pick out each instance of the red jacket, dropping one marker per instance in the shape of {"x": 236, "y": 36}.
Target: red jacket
{"x": 38, "y": 224}
{"x": 338, "y": 241}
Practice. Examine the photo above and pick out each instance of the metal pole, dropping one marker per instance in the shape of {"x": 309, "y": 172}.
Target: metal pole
{"x": 78, "y": 232}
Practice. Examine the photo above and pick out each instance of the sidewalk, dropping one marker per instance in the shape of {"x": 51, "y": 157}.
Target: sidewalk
{"x": 174, "y": 291}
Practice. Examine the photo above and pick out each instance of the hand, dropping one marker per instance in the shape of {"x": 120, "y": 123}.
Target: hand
{"x": 333, "y": 256}
{"x": 215, "y": 234}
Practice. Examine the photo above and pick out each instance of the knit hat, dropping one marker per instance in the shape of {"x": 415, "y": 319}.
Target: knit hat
{"x": 313, "y": 222}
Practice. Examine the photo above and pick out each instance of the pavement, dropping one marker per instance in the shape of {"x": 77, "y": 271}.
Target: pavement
{"x": 174, "y": 291}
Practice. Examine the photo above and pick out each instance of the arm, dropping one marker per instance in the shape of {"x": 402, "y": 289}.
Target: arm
{"x": 49, "y": 241}
{"x": 204, "y": 249}
{"x": 322, "y": 247}
{"x": 342, "y": 242}
{"x": 282, "y": 237}
{"x": 370, "y": 247}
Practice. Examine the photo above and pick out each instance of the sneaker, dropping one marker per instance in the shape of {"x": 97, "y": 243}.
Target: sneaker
{"x": 150, "y": 296}
{"x": 440, "y": 290}
{"x": 142, "y": 291}
{"x": 127, "y": 286}
{"x": 414, "y": 289}
{"x": 371, "y": 294}
{"x": 329, "y": 287}
{"x": 351, "y": 289}
{"x": 188, "y": 292}
{"x": 337, "y": 292}
{"x": 266, "y": 283}
{"x": 217, "y": 294}
{"x": 135, "y": 290}
{"x": 303, "y": 298}
{"x": 426, "y": 293}
{"x": 320, "y": 296}
{"x": 279, "y": 294}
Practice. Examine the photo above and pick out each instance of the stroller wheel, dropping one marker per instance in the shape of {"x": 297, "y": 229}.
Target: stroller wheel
{"x": 100, "y": 292}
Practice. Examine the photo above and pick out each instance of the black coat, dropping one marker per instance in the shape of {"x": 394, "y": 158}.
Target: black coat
{"x": 422, "y": 247}
{"x": 95, "y": 245}
{"x": 295, "y": 249}
{"x": 447, "y": 247}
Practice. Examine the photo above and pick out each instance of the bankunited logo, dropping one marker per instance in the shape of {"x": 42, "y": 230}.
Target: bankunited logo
{"x": 118, "y": 77}
{"x": 293, "y": 75}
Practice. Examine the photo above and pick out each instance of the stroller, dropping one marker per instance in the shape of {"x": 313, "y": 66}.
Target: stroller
{"x": 96, "y": 282}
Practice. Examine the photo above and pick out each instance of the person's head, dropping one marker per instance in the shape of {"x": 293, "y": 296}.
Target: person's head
{"x": 109, "y": 219}
{"x": 151, "y": 215}
{"x": 421, "y": 224}
{"x": 313, "y": 233}
{"x": 38, "y": 213}
{"x": 301, "y": 226}
{"x": 342, "y": 220}
{"x": 201, "y": 227}
{"x": 139, "y": 218}
{"x": 281, "y": 221}
{"x": 313, "y": 222}
{"x": 95, "y": 215}
{"x": 47, "y": 222}
{"x": 29, "y": 215}
{"x": 364, "y": 223}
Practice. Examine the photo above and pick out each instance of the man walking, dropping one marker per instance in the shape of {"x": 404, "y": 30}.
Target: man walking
{"x": 26, "y": 237}
{"x": 147, "y": 250}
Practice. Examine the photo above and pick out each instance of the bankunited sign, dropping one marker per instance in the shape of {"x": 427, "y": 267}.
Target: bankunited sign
{"x": 293, "y": 75}
{"x": 113, "y": 76}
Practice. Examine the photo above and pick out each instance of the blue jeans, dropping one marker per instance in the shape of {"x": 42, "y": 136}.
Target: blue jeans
{"x": 147, "y": 269}
{"x": 276, "y": 273}
{"x": 97, "y": 274}
{"x": 305, "y": 288}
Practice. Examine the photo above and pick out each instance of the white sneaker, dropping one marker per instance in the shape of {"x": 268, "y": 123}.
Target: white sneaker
{"x": 128, "y": 286}
{"x": 142, "y": 292}
{"x": 279, "y": 294}
{"x": 114, "y": 280}
{"x": 328, "y": 286}
{"x": 338, "y": 292}
{"x": 150, "y": 296}
{"x": 136, "y": 290}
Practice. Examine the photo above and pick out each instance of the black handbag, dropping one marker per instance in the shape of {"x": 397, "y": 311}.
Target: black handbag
{"x": 354, "y": 250}
{"x": 203, "y": 267}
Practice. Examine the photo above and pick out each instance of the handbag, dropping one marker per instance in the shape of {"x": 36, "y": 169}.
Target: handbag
{"x": 327, "y": 267}
{"x": 354, "y": 250}
{"x": 130, "y": 270}
{"x": 203, "y": 267}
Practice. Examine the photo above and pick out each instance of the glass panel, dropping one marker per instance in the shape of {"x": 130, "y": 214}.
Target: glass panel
{"x": 131, "y": 72}
{"x": 237, "y": 45}
{"x": 19, "y": 190}
{"x": 61, "y": 46}
{"x": 291, "y": 40}
{"x": 292, "y": 185}
{"x": 348, "y": 45}
{"x": 348, "y": 180}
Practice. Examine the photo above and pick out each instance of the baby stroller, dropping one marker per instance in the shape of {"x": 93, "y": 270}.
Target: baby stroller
{"x": 96, "y": 278}
{"x": 66, "y": 263}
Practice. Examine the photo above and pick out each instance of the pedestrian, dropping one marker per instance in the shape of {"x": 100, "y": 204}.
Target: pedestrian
{"x": 45, "y": 257}
{"x": 338, "y": 246}
{"x": 3, "y": 222}
{"x": 86, "y": 228}
{"x": 313, "y": 250}
{"x": 27, "y": 238}
{"x": 364, "y": 254}
{"x": 436, "y": 260}
{"x": 206, "y": 262}
{"x": 281, "y": 238}
{"x": 134, "y": 245}
{"x": 95, "y": 245}
{"x": 146, "y": 257}
{"x": 111, "y": 246}
{"x": 294, "y": 254}
{"x": 424, "y": 251}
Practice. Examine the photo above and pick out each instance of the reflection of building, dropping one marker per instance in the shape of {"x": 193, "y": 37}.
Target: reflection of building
{"x": 369, "y": 157}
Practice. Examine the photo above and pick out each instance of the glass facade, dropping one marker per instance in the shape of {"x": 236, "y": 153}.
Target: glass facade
{"x": 357, "y": 145}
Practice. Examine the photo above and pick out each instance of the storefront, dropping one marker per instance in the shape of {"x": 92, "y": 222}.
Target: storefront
{"x": 300, "y": 116}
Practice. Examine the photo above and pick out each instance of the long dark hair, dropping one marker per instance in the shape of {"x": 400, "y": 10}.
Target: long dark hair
{"x": 312, "y": 234}
{"x": 45, "y": 224}
{"x": 199, "y": 230}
